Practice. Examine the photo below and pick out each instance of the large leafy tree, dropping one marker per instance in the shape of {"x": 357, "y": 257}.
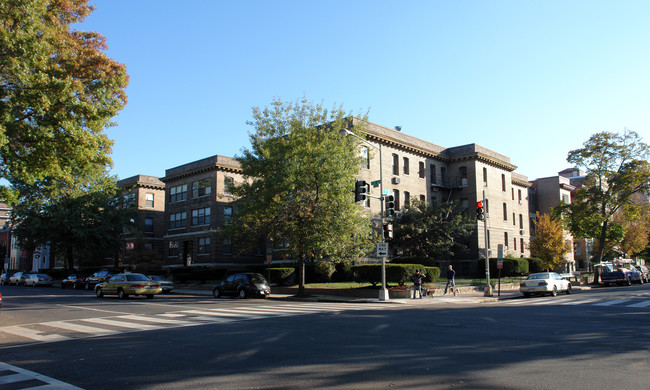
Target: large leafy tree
{"x": 58, "y": 92}
{"x": 433, "y": 230}
{"x": 299, "y": 173}
{"x": 82, "y": 224}
{"x": 549, "y": 243}
{"x": 617, "y": 171}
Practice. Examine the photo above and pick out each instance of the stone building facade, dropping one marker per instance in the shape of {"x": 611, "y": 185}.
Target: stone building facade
{"x": 416, "y": 169}
{"x": 148, "y": 193}
{"x": 198, "y": 203}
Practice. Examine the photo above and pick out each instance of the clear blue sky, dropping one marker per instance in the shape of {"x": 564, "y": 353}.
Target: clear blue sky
{"x": 528, "y": 79}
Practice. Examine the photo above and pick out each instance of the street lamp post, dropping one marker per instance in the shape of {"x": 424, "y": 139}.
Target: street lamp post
{"x": 383, "y": 291}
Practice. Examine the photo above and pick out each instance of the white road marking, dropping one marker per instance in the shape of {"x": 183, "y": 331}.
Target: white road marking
{"x": 33, "y": 334}
{"x": 610, "y": 303}
{"x": 20, "y": 375}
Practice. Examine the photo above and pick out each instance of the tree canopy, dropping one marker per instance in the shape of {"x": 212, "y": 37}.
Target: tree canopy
{"x": 617, "y": 172}
{"x": 58, "y": 93}
{"x": 549, "y": 243}
{"x": 433, "y": 231}
{"x": 299, "y": 174}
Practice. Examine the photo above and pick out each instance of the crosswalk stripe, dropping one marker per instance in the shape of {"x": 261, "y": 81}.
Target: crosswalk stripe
{"x": 579, "y": 302}
{"x": 33, "y": 334}
{"x": 209, "y": 314}
{"x": 121, "y": 324}
{"x": 640, "y": 304}
{"x": 610, "y": 303}
{"x": 20, "y": 375}
{"x": 156, "y": 320}
{"x": 80, "y": 328}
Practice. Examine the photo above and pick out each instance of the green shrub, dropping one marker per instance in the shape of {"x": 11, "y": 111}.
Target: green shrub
{"x": 319, "y": 271}
{"x": 281, "y": 276}
{"x": 432, "y": 274}
{"x": 535, "y": 265}
{"x": 426, "y": 261}
{"x": 395, "y": 273}
{"x": 343, "y": 271}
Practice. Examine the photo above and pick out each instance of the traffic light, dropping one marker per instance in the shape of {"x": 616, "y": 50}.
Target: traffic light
{"x": 388, "y": 231}
{"x": 361, "y": 189}
{"x": 390, "y": 205}
{"x": 480, "y": 211}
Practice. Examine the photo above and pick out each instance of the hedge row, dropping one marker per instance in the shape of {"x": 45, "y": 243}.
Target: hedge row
{"x": 395, "y": 273}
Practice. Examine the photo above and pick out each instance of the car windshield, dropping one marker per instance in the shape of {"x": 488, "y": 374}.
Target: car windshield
{"x": 136, "y": 278}
{"x": 539, "y": 276}
{"x": 157, "y": 278}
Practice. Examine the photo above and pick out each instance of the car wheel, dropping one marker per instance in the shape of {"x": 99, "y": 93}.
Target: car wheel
{"x": 568, "y": 289}
{"x": 99, "y": 293}
{"x": 526, "y": 295}
{"x": 554, "y": 292}
{"x": 149, "y": 296}
{"x": 216, "y": 293}
{"x": 121, "y": 294}
{"x": 242, "y": 293}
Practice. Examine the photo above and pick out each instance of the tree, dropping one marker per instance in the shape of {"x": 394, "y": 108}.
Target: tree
{"x": 637, "y": 228}
{"x": 58, "y": 93}
{"x": 432, "y": 231}
{"x": 299, "y": 173}
{"x": 617, "y": 171}
{"x": 549, "y": 243}
{"x": 80, "y": 224}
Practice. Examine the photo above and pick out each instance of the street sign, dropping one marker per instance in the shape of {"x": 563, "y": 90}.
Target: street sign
{"x": 382, "y": 249}
{"x": 386, "y": 192}
{"x": 375, "y": 183}
{"x": 499, "y": 264}
{"x": 500, "y": 251}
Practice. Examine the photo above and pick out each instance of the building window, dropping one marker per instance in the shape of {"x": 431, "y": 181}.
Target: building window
{"x": 521, "y": 245}
{"x": 178, "y": 193}
{"x": 227, "y": 214}
{"x": 423, "y": 199}
{"x": 227, "y": 246}
{"x": 201, "y": 188}
{"x": 148, "y": 225}
{"x": 505, "y": 211}
{"x": 565, "y": 199}
{"x": 503, "y": 182}
{"x": 514, "y": 242}
{"x": 407, "y": 199}
{"x": 148, "y": 201}
{"x": 521, "y": 221}
{"x": 519, "y": 196}
{"x": 487, "y": 206}
{"x": 484, "y": 177}
{"x": 406, "y": 165}
{"x": 365, "y": 157}
{"x": 177, "y": 220}
{"x": 488, "y": 239}
{"x": 204, "y": 245}
{"x": 514, "y": 220}
{"x": 505, "y": 240}
{"x": 513, "y": 193}
{"x": 421, "y": 172}
{"x": 201, "y": 216}
{"x": 395, "y": 165}
{"x": 228, "y": 184}
{"x": 396, "y": 195}
{"x": 462, "y": 171}
{"x": 129, "y": 200}
{"x": 174, "y": 248}
{"x": 432, "y": 174}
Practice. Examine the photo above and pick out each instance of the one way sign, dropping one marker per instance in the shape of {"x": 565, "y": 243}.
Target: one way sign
{"x": 382, "y": 249}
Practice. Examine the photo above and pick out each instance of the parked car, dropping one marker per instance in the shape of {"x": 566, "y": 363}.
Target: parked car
{"x": 37, "y": 280}
{"x": 619, "y": 274}
{"x": 645, "y": 272}
{"x": 98, "y": 277}
{"x": 243, "y": 285}
{"x": 4, "y": 278}
{"x": 127, "y": 284}
{"x": 74, "y": 281}
{"x": 167, "y": 285}
{"x": 17, "y": 279}
{"x": 544, "y": 283}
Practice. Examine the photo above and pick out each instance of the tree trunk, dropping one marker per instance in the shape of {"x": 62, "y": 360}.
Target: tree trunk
{"x": 69, "y": 258}
{"x": 601, "y": 251}
{"x": 301, "y": 277}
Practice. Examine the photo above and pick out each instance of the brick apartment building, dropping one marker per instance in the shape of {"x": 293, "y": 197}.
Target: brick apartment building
{"x": 197, "y": 200}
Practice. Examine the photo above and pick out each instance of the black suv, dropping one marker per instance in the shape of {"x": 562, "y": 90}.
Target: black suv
{"x": 96, "y": 278}
{"x": 243, "y": 285}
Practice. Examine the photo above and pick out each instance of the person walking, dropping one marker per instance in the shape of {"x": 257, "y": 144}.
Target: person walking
{"x": 417, "y": 283}
{"x": 451, "y": 276}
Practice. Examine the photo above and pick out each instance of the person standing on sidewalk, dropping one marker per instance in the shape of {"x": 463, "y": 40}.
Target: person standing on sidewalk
{"x": 417, "y": 283}
{"x": 451, "y": 276}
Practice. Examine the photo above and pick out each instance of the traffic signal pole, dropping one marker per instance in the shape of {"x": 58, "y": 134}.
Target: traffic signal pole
{"x": 488, "y": 286}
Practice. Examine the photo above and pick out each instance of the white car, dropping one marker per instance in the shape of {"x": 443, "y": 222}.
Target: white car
{"x": 37, "y": 280}
{"x": 166, "y": 285}
{"x": 544, "y": 283}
